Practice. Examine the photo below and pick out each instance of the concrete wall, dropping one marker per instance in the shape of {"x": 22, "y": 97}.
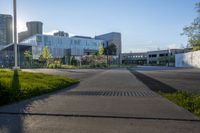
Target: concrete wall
{"x": 191, "y": 59}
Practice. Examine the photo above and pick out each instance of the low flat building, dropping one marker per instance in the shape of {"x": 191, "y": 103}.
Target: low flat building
{"x": 134, "y": 58}
{"x": 162, "y": 57}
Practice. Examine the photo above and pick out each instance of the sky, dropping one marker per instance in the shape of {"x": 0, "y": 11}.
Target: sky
{"x": 144, "y": 24}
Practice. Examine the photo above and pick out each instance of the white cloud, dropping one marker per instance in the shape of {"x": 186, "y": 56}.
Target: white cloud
{"x": 53, "y": 31}
{"x": 21, "y": 26}
{"x": 50, "y": 32}
{"x": 173, "y": 46}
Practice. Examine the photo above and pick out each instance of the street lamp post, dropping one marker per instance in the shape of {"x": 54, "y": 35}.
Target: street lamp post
{"x": 15, "y": 32}
{"x": 107, "y": 52}
{"x": 169, "y": 56}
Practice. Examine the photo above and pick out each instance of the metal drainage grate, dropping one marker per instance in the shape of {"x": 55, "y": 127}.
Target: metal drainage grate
{"x": 111, "y": 93}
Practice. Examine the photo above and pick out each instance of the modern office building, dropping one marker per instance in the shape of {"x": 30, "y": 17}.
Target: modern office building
{"x": 112, "y": 38}
{"x": 61, "y": 46}
{"x": 33, "y": 28}
{"x": 6, "y": 32}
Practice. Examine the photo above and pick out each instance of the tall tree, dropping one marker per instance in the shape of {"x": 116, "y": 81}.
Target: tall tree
{"x": 193, "y": 31}
{"x": 27, "y": 58}
{"x": 112, "y": 49}
{"x": 101, "y": 50}
{"x": 46, "y": 55}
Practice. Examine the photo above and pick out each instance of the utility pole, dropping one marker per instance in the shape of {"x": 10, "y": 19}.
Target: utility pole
{"x": 15, "y": 32}
{"x": 107, "y": 52}
{"x": 169, "y": 56}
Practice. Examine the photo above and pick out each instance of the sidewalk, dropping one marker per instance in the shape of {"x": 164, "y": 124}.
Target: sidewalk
{"x": 110, "y": 101}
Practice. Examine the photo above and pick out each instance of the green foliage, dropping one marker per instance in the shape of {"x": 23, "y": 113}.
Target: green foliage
{"x": 18, "y": 85}
{"x": 111, "y": 49}
{"x": 101, "y": 51}
{"x": 185, "y": 100}
{"x": 94, "y": 61}
{"x": 27, "y": 58}
{"x": 195, "y": 43}
{"x": 55, "y": 66}
{"x": 193, "y": 31}
{"x": 99, "y": 65}
{"x": 74, "y": 62}
{"x": 68, "y": 67}
{"x": 58, "y": 64}
{"x": 46, "y": 55}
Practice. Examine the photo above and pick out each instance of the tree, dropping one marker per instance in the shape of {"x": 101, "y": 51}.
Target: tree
{"x": 193, "y": 31}
{"x": 111, "y": 49}
{"x": 101, "y": 50}
{"x": 27, "y": 58}
{"x": 46, "y": 55}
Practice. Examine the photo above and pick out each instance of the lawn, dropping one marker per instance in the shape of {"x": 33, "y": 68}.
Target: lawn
{"x": 17, "y": 85}
{"x": 191, "y": 102}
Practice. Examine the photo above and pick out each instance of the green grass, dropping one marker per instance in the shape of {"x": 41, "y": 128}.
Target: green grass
{"x": 186, "y": 100}
{"x": 60, "y": 66}
{"x": 68, "y": 67}
{"x": 18, "y": 85}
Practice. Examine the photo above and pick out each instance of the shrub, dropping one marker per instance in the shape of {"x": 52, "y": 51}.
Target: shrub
{"x": 186, "y": 100}
{"x": 99, "y": 65}
{"x": 68, "y": 67}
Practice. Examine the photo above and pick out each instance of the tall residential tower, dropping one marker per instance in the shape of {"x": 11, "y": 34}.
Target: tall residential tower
{"x": 6, "y": 32}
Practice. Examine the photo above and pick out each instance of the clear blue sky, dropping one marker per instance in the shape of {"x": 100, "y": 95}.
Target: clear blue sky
{"x": 144, "y": 24}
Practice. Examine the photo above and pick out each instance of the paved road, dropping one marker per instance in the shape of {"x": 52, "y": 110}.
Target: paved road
{"x": 186, "y": 79}
{"x": 108, "y": 101}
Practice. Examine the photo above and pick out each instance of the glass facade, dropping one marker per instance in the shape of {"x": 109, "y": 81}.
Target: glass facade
{"x": 6, "y": 36}
{"x": 60, "y": 46}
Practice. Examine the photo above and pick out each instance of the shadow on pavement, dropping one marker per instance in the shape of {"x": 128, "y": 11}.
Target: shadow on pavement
{"x": 12, "y": 119}
{"x": 153, "y": 84}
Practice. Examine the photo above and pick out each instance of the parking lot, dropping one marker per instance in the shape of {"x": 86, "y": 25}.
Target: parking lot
{"x": 184, "y": 79}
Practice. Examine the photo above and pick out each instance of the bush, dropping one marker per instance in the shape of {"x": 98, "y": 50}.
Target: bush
{"x": 99, "y": 65}
{"x": 55, "y": 64}
{"x": 68, "y": 67}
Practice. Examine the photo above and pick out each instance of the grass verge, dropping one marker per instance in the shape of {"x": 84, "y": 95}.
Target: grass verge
{"x": 17, "y": 85}
{"x": 186, "y": 100}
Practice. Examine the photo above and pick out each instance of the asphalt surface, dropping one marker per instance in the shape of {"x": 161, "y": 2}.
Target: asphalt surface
{"x": 184, "y": 79}
{"x": 106, "y": 101}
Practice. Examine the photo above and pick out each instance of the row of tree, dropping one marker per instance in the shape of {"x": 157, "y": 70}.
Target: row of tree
{"x": 44, "y": 57}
